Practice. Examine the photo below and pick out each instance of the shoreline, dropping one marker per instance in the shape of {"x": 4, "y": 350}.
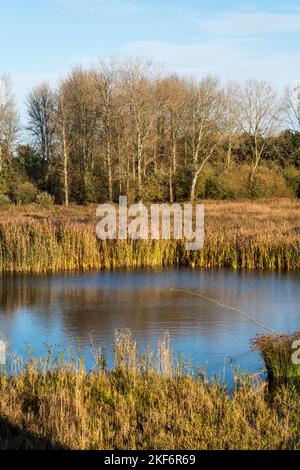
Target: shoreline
{"x": 261, "y": 235}
{"x": 144, "y": 402}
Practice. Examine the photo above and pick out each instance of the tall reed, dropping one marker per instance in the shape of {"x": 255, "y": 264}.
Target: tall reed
{"x": 147, "y": 401}
{"x": 277, "y": 352}
{"x": 238, "y": 235}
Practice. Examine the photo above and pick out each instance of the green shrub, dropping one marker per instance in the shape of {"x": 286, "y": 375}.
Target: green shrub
{"x": 44, "y": 200}
{"x": 182, "y": 184}
{"x": 25, "y": 193}
{"x": 221, "y": 187}
{"x": 4, "y": 187}
{"x": 269, "y": 183}
{"x": 4, "y": 200}
{"x": 230, "y": 183}
{"x": 292, "y": 177}
{"x": 277, "y": 354}
{"x": 154, "y": 189}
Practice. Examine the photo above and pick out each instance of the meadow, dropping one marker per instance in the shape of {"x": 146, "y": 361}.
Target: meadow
{"x": 147, "y": 401}
{"x": 239, "y": 235}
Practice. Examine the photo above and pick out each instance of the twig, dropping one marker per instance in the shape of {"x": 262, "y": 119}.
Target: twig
{"x": 246, "y": 315}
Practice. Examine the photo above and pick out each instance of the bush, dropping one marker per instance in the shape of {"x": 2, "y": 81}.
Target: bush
{"x": 182, "y": 184}
{"x": 155, "y": 189}
{"x": 292, "y": 177}
{"x": 25, "y": 193}
{"x": 277, "y": 353}
{"x": 4, "y": 200}
{"x": 269, "y": 183}
{"x": 221, "y": 187}
{"x": 4, "y": 187}
{"x": 44, "y": 200}
{"x": 231, "y": 183}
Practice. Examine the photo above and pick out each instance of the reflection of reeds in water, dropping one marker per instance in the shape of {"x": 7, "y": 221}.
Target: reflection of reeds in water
{"x": 277, "y": 352}
{"x": 147, "y": 401}
{"x": 239, "y": 235}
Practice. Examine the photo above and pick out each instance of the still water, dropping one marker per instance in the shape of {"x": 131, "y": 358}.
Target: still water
{"x": 65, "y": 309}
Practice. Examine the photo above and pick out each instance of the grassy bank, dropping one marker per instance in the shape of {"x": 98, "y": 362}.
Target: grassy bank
{"x": 146, "y": 402}
{"x": 239, "y": 235}
{"x": 277, "y": 353}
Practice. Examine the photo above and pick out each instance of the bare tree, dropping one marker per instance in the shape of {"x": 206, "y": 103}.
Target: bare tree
{"x": 231, "y": 125}
{"x": 142, "y": 112}
{"x": 63, "y": 131}
{"x": 106, "y": 80}
{"x": 173, "y": 97}
{"x": 120, "y": 126}
{"x": 79, "y": 98}
{"x": 292, "y": 106}
{"x": 204, "y": 118}
{"x": 40, "y": 108}
{"x": 258, "y": 113}
{"x": 8, "y": 120}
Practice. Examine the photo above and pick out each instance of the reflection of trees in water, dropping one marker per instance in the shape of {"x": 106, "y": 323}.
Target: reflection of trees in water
{"x": 86, "y": 308}
{"x": 93, "y": 309}
{"x": 99, "y": 312}
{"x": 28, "y": 292}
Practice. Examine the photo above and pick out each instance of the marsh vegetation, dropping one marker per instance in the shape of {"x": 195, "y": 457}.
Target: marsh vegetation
{"x": 239, "y": 235}
{"x": 147, "y": 401}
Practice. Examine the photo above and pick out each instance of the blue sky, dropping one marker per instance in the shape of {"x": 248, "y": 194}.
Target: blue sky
{"x": 42, "y": 39}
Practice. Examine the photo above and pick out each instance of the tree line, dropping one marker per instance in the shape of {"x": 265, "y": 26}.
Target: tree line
{"x": 121, "y": 128}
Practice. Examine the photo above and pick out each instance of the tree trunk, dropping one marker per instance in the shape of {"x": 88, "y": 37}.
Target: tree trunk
{"x": 109, "y": 172}
{"x": 194, "y": 183}
{"x": 128, "y": 177}
{"x": 140, "y": 170}
{"x": 140, "y": 176}
{"x": 229, "y": 153}
{"x": 254, "y": 168}
{"x": 65, "y": 165}
{"x": 195, "y": 178}
{"x": 174, "y": 156}
{"x": 155, "y": 158}
{"x": 171, "y": 186}
{"x": 1, "y": 159}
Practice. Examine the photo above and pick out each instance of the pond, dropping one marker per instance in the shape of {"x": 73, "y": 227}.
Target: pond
{"x": 71, "y": 309}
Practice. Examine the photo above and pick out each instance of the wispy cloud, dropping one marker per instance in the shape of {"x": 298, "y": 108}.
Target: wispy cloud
{"x": 228, "y": 59}
{"x": 92, "y": 7}
{"x": 234, "y": 45}
{"x": 241, "y": 24}
{"x": 188, "y": 58}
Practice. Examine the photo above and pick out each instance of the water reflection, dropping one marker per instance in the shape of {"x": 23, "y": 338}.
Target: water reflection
{"x": 62, "y": 308}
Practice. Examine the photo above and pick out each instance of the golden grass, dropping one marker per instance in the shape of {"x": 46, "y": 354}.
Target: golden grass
{"x": 277, "y": 352}
{"x": 145, "y": 402}
{"x": 239, "y": 235}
